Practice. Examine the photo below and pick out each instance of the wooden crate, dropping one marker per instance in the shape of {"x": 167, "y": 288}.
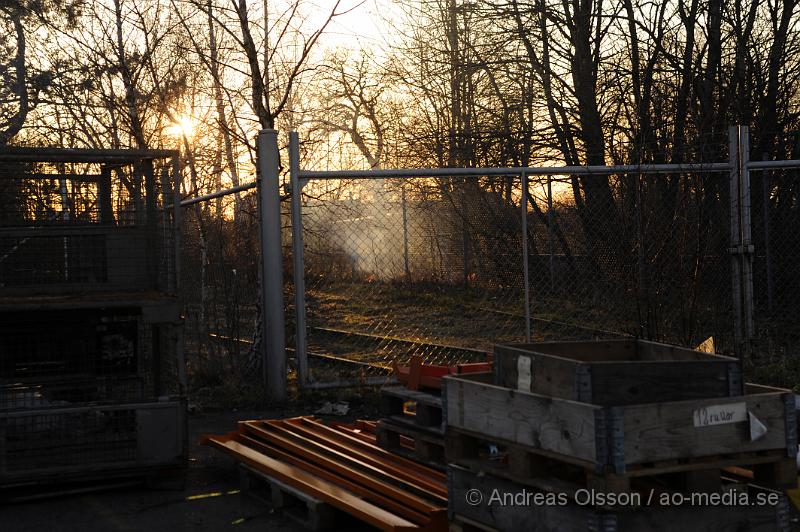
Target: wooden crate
{"x": 547, "y": 513}
{"x": 520, "y": 463}
{"x": 622, "y": 437}
{"x": 616, "y": 372}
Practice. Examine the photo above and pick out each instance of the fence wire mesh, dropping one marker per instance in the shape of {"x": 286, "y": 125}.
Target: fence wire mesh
{"x": 399, "y": 267}
{"x": 776, "y": 285}
{"x": 434, "y": 266}
{"x": 220, "y": 289}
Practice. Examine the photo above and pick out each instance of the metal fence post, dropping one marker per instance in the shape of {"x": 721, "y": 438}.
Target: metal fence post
{"x": 272, "y": 320}
{"x": 747, "y": 241}
{"x": 765, "y": 216}
{"x": 177, "y": 217}
{"x": 525, "y": 279}
{"x": 406, "y": 268}
{"x": 298, "y": 263}
{"x": 550, "y": 243}
{"x": 735, "y": 241}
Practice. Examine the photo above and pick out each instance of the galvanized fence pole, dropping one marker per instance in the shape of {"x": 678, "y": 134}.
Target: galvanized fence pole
{"x": 747, "y": 241}
{"x": 406, "y": 268}
{"x": 550, "y": 243}
{"x": 273, "y": 339}
{"x": 298, "y": 262}
{"x": 177, "y": 217}
{"x": 735, "y": 241}
{"x": 525, "y": 279}
{"x": 765, "y": 216}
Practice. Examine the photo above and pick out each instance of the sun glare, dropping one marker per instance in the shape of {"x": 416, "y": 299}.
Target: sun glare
{"x": 183, "y": 126}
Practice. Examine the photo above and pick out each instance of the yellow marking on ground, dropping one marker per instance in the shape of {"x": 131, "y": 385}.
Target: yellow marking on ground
{"x": 211, "y": 494}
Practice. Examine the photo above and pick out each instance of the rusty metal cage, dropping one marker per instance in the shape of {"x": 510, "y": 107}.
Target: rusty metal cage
{"x": 92, "y": 381}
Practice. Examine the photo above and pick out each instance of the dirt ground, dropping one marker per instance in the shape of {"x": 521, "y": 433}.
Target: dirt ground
{"x": 140, "y": 509}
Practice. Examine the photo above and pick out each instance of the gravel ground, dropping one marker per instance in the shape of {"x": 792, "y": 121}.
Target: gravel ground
{"x": 139, "y": 509}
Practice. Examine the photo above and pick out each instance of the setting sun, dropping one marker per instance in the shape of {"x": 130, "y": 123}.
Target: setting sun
{"x": 183, "y": 126}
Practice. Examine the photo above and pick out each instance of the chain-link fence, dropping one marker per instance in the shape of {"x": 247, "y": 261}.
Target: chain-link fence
{"x": 433, "y": 263}
{"x": 220, "y": 289}
{"x": 775, "y": 237}
{"x": 402, "y": 267}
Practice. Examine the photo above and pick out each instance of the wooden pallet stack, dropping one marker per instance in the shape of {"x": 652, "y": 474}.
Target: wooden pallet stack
{"x": 412, "y": 424}
{"x": 616, "y": 436}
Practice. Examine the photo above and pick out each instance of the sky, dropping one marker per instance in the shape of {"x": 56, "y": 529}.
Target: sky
{"x": 363, "y": 27}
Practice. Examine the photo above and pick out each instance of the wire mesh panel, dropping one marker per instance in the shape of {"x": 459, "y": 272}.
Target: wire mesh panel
{"x": 436, "y": 267}
{"x": 90, "y": 347}
{"x": 401, "y": 267}
{"x": 652, "y": 262}
{"x": 52, "y": 439}
{"x": 220, "y": 287}
{"x": 90, "y": 226}
{"x": 776, "y": 285}
{"x": 98, "y": 356}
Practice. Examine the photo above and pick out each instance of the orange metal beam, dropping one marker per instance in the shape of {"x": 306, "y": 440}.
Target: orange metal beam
{"x": 412, "y": 478}
{"x": 338, "y": 461}
{"x": 369, "y": 494}
{"x": 323, "y": 490}
{"x": 371, "y": 448}
{"x": 355, "y": 432}
{"x": 397, "y": 465}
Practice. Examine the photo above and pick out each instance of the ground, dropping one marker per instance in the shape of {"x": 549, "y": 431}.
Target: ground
{"x": 210, "y": 472}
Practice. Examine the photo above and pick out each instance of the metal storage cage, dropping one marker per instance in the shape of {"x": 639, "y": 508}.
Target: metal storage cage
{"x": 92, "y": 379}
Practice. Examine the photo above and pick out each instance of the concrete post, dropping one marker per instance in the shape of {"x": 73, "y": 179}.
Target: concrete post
{"x": 273, "y": 339}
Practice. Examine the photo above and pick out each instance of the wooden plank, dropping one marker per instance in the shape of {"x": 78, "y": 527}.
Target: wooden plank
{"x": 705, "y": 519}
{"x": 626, "y": 383}
{"x": 663, "y": 431}
{"x": 648, "y": 350}
{"x": 612, "y": 374}
{"x": 560, "y": 426}
{"x": 553, "y": 376}
{"x": 621, "y": 436}
{"x": 584, "y": 351}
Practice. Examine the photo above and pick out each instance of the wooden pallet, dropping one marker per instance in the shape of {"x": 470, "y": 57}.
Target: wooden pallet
{"x": 616, "y": 372}
{"x": 300, "y": 507}
{"x": 479, "y": 453}
{"x": 491, "y": 515}
{"x": 422, "y": 445}
{"x": 427, "y": 407}
{"x": 624, "y": 437}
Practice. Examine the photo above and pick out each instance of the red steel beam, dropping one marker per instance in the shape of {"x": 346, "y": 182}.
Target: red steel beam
{"x": 321, "y": 489}
{"x": 354, "y": 445}
{"x": 413, "y": 478}
{"x": 354, "y": 432}
{"x": 373, "y": 448}
{"x": 341, "y": 462}
{"x": 369, "y": 494}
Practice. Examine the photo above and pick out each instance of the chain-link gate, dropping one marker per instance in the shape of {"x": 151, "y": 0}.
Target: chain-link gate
{"x": 433, "y": 262}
